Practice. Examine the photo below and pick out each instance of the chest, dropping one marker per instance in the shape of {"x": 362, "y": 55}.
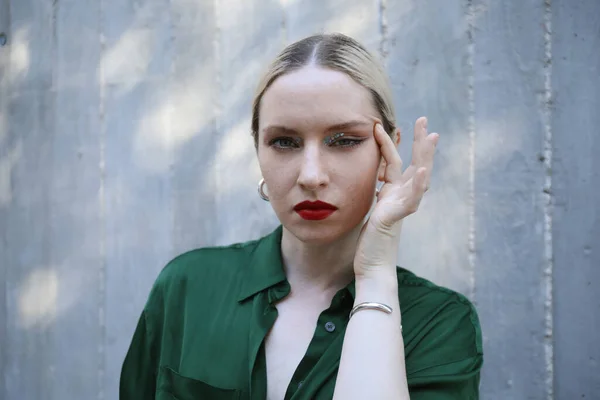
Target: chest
{"x": 285, "y": 346}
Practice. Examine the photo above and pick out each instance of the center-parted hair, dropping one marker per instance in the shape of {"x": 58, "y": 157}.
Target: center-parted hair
{"x": 337, "y": 52}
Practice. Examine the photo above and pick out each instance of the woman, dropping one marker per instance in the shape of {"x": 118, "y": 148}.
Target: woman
{"x": 318, "y": 308}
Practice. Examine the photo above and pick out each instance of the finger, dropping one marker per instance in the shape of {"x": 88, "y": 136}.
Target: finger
{"x": 381, "y": 173}
{"x": 393, "y": 169}
{"x": 420, "y": 127}
{"x": 427, "y": 153}
{"x": 420, "y": 135}
{"x": 419, "y": 187}
{"x": 420, "y": 182}
{"x": 423, "y": 148}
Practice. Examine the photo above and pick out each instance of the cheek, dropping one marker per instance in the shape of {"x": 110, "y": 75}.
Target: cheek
{"x": 361, "y": 168}
{"x": 278, "y": 176}
{"x": 361, "y": 187}
{"x": 358, "y": 181}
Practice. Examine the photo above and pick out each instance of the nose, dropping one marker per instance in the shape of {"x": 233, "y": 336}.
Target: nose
{"x": 313, "y": 174}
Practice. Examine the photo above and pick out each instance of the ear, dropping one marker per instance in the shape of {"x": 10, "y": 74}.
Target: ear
{"x": 396, "y": 137}
{"x": 382, "y": 164}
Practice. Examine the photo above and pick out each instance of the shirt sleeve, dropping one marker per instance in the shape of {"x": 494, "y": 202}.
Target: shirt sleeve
{"x": 138, "y": 373}
{"x": 446, "y": 363}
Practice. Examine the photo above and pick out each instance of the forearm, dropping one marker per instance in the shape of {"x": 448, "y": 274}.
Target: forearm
{"x": 372, "y": 362}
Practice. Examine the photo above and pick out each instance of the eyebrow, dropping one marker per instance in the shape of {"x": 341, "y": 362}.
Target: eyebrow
{"x": 278, "y": 129}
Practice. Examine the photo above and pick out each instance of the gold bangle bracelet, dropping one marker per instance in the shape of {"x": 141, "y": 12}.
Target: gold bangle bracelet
{"x": 370, "y": 306}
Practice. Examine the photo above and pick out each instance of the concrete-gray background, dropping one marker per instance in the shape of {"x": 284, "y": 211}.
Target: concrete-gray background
{"x": 124, "y": 140}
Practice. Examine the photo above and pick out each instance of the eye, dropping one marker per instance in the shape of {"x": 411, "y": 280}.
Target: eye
{"x": 284, "y": 143}
{"x": 345, "y": 142}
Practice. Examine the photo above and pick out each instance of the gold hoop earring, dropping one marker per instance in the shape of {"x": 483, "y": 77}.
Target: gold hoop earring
{"x": 261, "y": 191}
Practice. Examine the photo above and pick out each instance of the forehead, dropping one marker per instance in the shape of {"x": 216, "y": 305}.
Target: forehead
{"x": 315, "y": 96}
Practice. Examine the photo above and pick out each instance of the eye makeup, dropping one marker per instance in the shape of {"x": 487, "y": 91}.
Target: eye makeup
{"x": 338, "y": 139}
{"x": 330, "y": 139}
{"x": 285, "y": 142}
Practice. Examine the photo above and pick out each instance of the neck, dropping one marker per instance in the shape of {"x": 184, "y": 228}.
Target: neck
{"x": 314, "y": 269}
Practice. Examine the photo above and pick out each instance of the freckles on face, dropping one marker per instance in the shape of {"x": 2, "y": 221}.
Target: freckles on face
{"x": 316, "y": 143}
{"x": 305, "y": 112}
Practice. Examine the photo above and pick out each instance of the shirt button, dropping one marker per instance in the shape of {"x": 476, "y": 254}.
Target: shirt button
{"x": 330, "y": 326}
{"x": 300, "y": 384}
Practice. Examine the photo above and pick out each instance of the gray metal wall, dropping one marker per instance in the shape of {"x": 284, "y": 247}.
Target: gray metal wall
{"x": 124, "y": 140}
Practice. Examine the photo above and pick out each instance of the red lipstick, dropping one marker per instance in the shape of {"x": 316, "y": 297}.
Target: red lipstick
{"x": 314, "y": 210}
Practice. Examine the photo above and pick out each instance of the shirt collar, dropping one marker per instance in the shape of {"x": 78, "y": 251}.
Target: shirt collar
{"x": 265, "y": 268}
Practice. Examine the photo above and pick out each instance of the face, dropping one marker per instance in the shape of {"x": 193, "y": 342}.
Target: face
{"x": 315, "y": 143}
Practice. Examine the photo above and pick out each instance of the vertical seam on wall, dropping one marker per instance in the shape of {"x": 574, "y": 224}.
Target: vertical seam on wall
{"x": 548, "y": 201}
{"x": 102, "y": 204}
{"x": 217, "y": 108}
{"x": 284, "y": 30}
{"x": 383, "y": 30}
{"x": 54, "y": 84}
{"x": 169, "y": 128}
{"x": 48, "y": 358}
{"x": 470, "y": 17}
{"x": 6, "y": 87}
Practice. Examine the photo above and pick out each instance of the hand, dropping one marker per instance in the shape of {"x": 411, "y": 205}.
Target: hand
{"x": 399, "y": 197}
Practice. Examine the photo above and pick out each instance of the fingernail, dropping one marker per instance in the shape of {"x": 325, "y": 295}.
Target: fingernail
{"x": 425, "y": 123}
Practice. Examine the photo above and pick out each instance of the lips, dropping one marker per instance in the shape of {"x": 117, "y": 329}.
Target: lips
{"x": 314, "y": 210}
{"x": 314, "y": 205}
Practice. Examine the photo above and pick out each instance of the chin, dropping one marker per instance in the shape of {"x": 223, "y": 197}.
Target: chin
{"x": 321, "y": 232}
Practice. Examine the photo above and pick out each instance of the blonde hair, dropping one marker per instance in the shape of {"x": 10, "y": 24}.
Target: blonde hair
{"x": 337, "y": 52}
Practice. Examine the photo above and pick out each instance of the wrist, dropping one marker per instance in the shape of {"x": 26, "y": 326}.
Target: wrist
{"x": 372, "y": 287}
{"x": 383, "y": 291}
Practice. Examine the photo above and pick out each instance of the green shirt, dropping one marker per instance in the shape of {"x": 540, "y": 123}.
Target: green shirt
{"x": 201, "y": 333}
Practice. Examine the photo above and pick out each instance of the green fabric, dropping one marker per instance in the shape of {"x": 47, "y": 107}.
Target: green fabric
{"x": 200, "y": 335}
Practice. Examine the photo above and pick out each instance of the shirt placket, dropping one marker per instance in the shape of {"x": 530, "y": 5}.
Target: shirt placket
{"x": 264, "y": 314}
{"x": 321, "y": 360}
